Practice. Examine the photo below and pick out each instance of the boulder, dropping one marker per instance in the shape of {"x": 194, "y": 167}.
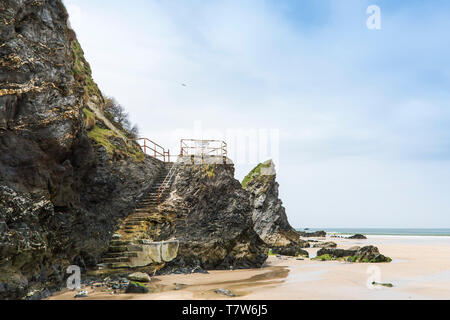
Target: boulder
{"x": 139, "y": 277}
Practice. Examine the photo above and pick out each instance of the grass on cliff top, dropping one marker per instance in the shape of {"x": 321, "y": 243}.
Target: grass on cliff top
{"x": 102, "y": 137}
{"x": 256, "y": 172}
{"x": 82, "y": 71}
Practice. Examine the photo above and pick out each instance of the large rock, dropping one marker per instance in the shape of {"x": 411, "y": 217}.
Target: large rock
{"x": 136, "y": 287}
{"x": 213, "y": 220}
{"x": 291, "y": 250}
{"x": 268, "y": 214}
{"x": 61, "y": 191}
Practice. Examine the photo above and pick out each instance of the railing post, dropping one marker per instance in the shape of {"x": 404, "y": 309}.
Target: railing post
{"x": 145, "y": 148}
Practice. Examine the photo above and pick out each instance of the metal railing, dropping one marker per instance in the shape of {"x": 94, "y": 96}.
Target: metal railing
{"x": 154, "y": 149}
{"x": 203, "y": 147}
{"x": 167, "y": 182}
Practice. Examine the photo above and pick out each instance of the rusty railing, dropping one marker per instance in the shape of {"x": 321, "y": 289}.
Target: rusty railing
{"x": 154, "y": 149}
{"x": 203, "y": 147}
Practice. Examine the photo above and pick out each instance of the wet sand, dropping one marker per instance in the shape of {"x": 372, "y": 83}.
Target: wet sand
{"x": 420, "y": 270}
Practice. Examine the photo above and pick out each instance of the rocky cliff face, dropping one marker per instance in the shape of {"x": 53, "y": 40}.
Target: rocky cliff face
{"x": 268, "y": 214}
{"x": 213, "y": 222}
{"x": 62, "y": 187}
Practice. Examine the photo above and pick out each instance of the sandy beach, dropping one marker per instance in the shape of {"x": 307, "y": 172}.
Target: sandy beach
{"x": 420, "y": 270}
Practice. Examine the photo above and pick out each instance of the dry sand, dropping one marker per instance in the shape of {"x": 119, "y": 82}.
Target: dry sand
{"x": 420, "y": 270}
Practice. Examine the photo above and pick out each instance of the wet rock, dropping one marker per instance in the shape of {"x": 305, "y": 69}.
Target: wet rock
{"x": 292, "y": 251}
{"x": 387, "y": 285}
{"x": 358, "y": 236}
{"x": 136, "y": 287}
{"x": 81, "y": 294}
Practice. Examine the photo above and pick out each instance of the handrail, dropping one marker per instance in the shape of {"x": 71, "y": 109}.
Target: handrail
{"x": 157, "y": 150}
{"x": 220, "y": 149}
{"x": 165, "y": 184}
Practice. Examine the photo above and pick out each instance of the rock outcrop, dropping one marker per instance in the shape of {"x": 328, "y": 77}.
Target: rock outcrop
{"x": 213, "y": 220}
{"x": 268, "y": 214}
{"x": 65, "y": 177}
{"x": 358, "y": 236}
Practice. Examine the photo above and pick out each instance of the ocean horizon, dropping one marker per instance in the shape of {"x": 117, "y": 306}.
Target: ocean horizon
{"x": 383, "y": 231}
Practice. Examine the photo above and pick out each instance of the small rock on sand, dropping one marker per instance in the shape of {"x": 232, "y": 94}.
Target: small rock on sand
{"x": 225, "y": 292}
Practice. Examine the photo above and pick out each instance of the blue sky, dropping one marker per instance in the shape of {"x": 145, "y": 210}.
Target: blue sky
{"x": 363, "y": 115}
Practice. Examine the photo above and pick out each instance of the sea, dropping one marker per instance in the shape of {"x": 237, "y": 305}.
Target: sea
{"x": 383, "y": 231}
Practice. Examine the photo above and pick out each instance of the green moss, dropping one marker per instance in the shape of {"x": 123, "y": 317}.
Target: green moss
{"x": 270, "y": 253}
{"x": 255, "y": 173}
{"x": 324, "y": 257}
{"x": 140, "y": 284}
{"x": 88, "y": 114}
{"x": 101, "y": 136}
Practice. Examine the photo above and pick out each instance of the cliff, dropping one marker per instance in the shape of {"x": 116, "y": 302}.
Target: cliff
{"x": 66, "y": 177}
{"x": 268, "y": 214}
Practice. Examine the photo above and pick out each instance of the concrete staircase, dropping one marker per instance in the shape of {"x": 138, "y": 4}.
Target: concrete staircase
{"x": 132, "y": 245}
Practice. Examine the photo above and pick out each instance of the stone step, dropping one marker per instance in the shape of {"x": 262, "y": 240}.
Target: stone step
{"x": 117, "y": 259}
{"x": 118, "y": 265}
{"x": 142, "y": 210}
{"x": 134, "y": 223}
{"x": 117, "y": 248}
{"x": 118, "y": 243}
{"x": 134, "y": 247}
{"x": 128, "y": 254}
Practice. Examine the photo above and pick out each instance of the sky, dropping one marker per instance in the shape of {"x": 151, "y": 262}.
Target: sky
{"x": 357, "y": 120}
